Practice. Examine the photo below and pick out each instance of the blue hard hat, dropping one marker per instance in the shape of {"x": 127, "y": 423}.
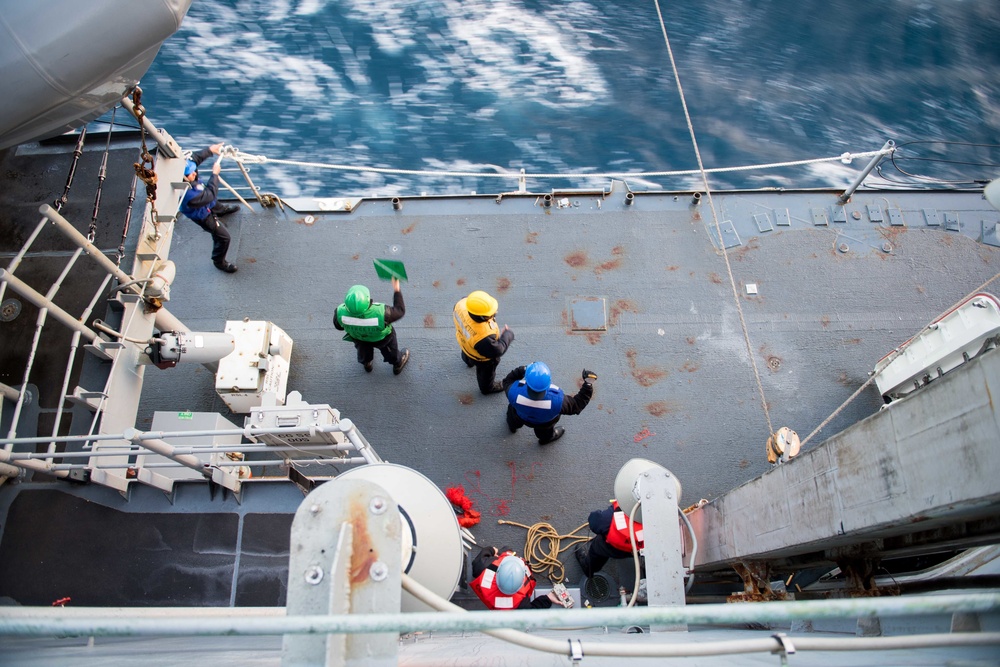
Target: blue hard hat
{"x": 537, "y": 376}
{"x": 510, "y": 575}
{"x": 190, "y": 168}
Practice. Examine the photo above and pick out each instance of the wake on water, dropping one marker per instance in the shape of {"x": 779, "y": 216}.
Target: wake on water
{"x": 580, "y": 87}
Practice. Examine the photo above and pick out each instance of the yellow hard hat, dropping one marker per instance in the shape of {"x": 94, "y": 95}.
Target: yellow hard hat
{"x": 482, "y": 304}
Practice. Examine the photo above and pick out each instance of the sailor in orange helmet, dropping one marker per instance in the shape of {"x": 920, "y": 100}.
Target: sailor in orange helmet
{"x": 481, "y": 341}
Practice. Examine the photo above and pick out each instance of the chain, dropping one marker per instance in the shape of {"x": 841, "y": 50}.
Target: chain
{"x": 144, "y": 168}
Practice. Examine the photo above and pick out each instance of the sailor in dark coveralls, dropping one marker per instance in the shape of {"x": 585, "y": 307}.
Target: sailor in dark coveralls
{"x": 199, "y": 203}
{"x": 534, "y": 401}
{"x": 482, "y": 342}
{"x": 612, "y": 539}
{"x": 502, "y": 580}
{"x": 369, "y": 326}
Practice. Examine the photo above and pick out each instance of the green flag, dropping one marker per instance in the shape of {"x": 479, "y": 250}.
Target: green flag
{"x": 387, "y": 269}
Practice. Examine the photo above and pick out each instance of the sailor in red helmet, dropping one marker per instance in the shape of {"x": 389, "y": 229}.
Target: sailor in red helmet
{"x": 504, "y": 581}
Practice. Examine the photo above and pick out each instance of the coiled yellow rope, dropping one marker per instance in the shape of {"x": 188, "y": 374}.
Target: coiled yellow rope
{"x": 543, "y": 557}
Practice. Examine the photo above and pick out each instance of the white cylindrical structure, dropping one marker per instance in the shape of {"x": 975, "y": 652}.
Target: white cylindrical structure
{"x": 431, "y": 538}
{"x": 992, "y": 193}
{"x": 628, "y": 489}
{"x": 159, "y": 283}
{"x": 194, "y": 346}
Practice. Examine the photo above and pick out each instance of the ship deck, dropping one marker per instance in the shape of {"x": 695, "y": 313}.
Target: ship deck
{"x": 637, "y": 292}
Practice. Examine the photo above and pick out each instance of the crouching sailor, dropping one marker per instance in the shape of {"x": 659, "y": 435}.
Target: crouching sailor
{"x": 199, "y": 204}
{"x": 612, "y": 539}
{"x": 504, "y": 581}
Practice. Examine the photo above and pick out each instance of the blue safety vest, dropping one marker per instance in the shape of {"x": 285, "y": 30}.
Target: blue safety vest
{"x": 196, "y": 214}
{"x": 535, "y": 410}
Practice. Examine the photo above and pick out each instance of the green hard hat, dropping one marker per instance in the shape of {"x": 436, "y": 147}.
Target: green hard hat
{"x": 358, "y": 299}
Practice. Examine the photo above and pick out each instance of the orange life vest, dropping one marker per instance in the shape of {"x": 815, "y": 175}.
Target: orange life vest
{"x": 485, "y": 586}
{"x": 618, "y": 534}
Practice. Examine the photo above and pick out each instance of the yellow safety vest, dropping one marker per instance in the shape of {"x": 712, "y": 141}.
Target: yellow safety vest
{"x": 468, "y": 332}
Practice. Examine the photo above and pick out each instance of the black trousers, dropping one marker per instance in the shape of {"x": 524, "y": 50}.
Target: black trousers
{"x": 598, "y": 553}
{"x": 544, "y": 432}
{"x": 220, "y": 236}
{"x": 387, "y": 346}
{"x": 486, "y": 372}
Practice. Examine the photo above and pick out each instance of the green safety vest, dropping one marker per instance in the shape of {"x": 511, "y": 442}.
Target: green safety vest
{"x": 369, "y": 327}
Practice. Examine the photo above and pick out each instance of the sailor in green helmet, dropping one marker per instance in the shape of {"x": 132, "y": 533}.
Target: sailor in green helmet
{"x": 369, "y": 326}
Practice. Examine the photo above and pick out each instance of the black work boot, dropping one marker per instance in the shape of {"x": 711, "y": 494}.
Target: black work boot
{"x": 581, "y": 558}
{"x": 223, "y": 265}
{"x": 369, "y": 366}
{"x": 398, "y": 368}
{"x": 224, "y": 209}
{"x": 558, "y": 433}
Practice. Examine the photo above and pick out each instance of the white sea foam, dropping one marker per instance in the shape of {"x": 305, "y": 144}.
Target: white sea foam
{"x": 500, "y": 48}
{"x": 249, "y": 58}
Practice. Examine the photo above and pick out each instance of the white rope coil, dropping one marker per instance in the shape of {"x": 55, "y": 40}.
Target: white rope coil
{"x": 248, "y": 158}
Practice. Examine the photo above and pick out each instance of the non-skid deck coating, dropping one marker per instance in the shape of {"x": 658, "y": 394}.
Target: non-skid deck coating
{"x": 675, "y": 380}
{"x": 675, "y": 383}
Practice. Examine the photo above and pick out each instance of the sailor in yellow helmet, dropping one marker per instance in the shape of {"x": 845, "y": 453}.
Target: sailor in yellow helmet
{"x": 369, "y": 326}
{"x": 481, "y": 341}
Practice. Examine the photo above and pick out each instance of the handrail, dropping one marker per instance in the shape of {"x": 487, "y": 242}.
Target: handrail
{"x": 49, "y": 621}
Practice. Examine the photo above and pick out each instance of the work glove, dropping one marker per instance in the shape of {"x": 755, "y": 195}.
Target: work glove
{"x": 589, "y": 376}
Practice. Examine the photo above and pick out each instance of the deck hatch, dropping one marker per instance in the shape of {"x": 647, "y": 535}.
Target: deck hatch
{"x": 951, "y": 221}
{"x": 874, "y": 212}
{"x": 588, "y": 313}
{"x": 763, "y": 222}
{"x": 730, "y": 238}
{"x": 990, "y": 232}
{"x": 932, "y": 217}
{"x": 896, "y": 218}
{"x": 819, "y": 217}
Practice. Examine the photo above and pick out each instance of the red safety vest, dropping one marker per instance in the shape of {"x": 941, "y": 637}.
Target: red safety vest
{"x": 485, "y": 586}
{"x": 618, "y": 534}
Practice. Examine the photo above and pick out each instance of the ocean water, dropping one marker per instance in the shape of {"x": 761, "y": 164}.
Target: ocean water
{"x": 583, "y": 86}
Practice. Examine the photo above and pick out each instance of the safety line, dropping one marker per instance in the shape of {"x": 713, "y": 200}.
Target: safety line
{"x": 715, "y": 218}
{"x": 234, "y": 153}
{"x": 547, "y": 560}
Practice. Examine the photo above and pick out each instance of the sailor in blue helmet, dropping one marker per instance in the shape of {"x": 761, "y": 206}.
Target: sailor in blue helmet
{"x": 369, "y": 326}
{"x": 536, "y": 402}
{"x": 502, "y": 580}
{"x": 199, "y": 203}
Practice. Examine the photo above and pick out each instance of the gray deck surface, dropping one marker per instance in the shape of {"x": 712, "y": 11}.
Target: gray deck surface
{"x": 675, "y": 386}
{"x": 675, "y": 382}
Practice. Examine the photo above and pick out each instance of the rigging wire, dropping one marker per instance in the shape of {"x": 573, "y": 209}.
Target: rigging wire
{"x": 237, "y": 155}
{"x": 715, "y": 218}
{"x": 895, "y": 158}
